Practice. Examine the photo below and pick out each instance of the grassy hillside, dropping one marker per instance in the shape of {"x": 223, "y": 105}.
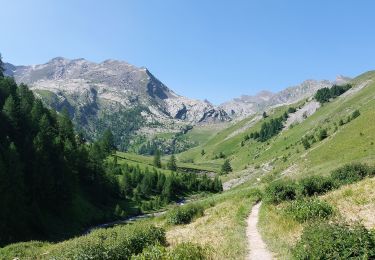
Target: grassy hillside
{"x": 352, "y": 141}
{"x": 351, "y": 203}
{"x": 221, "y": 227}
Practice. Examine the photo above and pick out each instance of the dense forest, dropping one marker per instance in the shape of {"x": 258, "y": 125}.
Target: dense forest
{"x": 53, "y": 183}
{"x": 323, "y": 95}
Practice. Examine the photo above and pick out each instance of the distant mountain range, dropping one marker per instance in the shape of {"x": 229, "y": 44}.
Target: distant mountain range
{"x": 246, "y": 105}
{"x": 131, "y": 100}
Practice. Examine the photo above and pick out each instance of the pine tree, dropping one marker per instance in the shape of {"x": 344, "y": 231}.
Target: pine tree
{"x": 126, "y": 185}
{"x": 107, "y": 142}
{"x": 11, "y": 110}
{"x": 157, "y": 159}
{"x": 322, "y": 134}
{"x": 226, "y": 167}
{"x": 172, "y": 163}
{"x": 217, "y": 185}
{"x": 1, "y": 67}
{"x": 160, "y": 183}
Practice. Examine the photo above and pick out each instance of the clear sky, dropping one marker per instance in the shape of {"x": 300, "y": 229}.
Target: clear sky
{"x": 214, "y": 49}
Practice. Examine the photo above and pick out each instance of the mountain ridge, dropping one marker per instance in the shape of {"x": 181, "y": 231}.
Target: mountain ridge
{"x": 132, "y": 102}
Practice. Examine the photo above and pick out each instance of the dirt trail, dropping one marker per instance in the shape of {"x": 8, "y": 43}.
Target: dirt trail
{"x": 257, "y": 247}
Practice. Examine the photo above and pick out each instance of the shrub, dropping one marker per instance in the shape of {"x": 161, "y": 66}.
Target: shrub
{"x": 307, "y": 209}
{"x": 322, "y": 134}
{"x": 355, "y": 114}
{"x": 350, "y": 173}
{"x": 155, "y": 252}
{"x": 279, "y": 191}
{"x": 113, "y": 243}
{"x": 185, "y": 214}
{"x": 183, "y": 251}
{"x": 315, "y": 185}
{"x": 187, "y": 251}
{"x": 335, "y": 241}
{"x": 24, "y": 250}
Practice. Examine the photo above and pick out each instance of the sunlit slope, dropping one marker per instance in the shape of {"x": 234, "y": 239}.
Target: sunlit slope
{"x": 284, "y": 153}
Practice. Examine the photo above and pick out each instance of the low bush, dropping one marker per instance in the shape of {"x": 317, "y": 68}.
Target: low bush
{"x": 315, "y": 185}
{"x": 351, "y": 173}
{"x": 113, "y": 243}
{"x": 335, "y": 241}
{"x": 24, "y": 250}
{"x": 155, "y": 252}
{"x": 308, "y": 209}
{"x": 184, "y": 214}
{"x": 183, "y": 251}
{"x": 283, "y": 190}
{"x": 186, "y": 251}
{"x": 279, "y": 191}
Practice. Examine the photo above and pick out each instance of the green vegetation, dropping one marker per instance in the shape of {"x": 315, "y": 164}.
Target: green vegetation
{"x": 157, "y": 161}
{"x": 152, "y": 189}
{"x": 185, "y": 214}
{"x": 114, "y": 243}
{"x": 221, "y": 229}
{"x": 335, "y": 241}
{"x": 1, "y": 68}
{"x": 292, "y": 209}
{"x": 283, "y": 190}
{"x": 279, "y": 191}
{"x": 269, "y": 129}
{"x": 182, "y": 251}
{"x": 226, "y": 167}
{"x": 352, "y": 173}
{"x": 172, "y": 165}
{"x": 303, "y": 210}
{"x": 46, "y": 169}
{"x": 325, "y": 94}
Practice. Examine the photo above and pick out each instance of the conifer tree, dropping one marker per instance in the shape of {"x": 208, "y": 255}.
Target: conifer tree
{"x": 157, "y": 158}
{"x": 1, "y": 67}
{"x": 172, "y": 163}
{"x": 226, "y": 167}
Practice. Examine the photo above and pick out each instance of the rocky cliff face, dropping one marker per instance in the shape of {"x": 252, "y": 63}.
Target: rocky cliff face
{"x": 115, "y": 82}
{"x": 93, "y": 92}
{"x": 247, "y": 105}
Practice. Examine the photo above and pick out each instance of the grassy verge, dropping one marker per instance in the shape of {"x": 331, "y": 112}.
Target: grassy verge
{"x": 355, "y": 202}
{"x": 292, "y": 218}
{"x": 222, "y": 227}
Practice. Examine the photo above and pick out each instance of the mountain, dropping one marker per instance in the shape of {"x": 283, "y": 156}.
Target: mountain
{"x": 113, "y": 94}
{"x": 247, "y": 105}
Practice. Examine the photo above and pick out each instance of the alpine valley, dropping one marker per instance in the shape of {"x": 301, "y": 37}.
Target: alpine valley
{"x": 142, "y": 112}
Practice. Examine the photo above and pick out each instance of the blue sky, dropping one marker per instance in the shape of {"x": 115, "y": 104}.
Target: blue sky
{"x": 201, "y": 49}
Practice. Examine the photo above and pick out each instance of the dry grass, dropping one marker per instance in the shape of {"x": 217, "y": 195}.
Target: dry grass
{"x": 222, "y": 228}
{"x": 355, "y": 202}
{"x": 279, "y": 232}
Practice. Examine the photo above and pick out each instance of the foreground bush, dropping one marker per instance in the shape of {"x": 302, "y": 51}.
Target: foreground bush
{"x": 113, "y": 243}
{"x": 185, "y": 214}
{"x": 24, "y": 250}
{"x": 335, "y": 241}
{"x": 315, "y": 185}
{"x": 350, "y": 173}
{"x": 186, "y": 251}
{"x": 283, "y": 190}
{"x": 307, "y": 209}
{"x": 279, "y": 191}
{"x": 183, "y": 251}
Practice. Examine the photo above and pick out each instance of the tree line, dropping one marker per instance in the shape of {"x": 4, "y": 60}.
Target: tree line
{"x": 323, "y": 95}
{"x": 151, "y": 189}
{"x": 49, "y": 172}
